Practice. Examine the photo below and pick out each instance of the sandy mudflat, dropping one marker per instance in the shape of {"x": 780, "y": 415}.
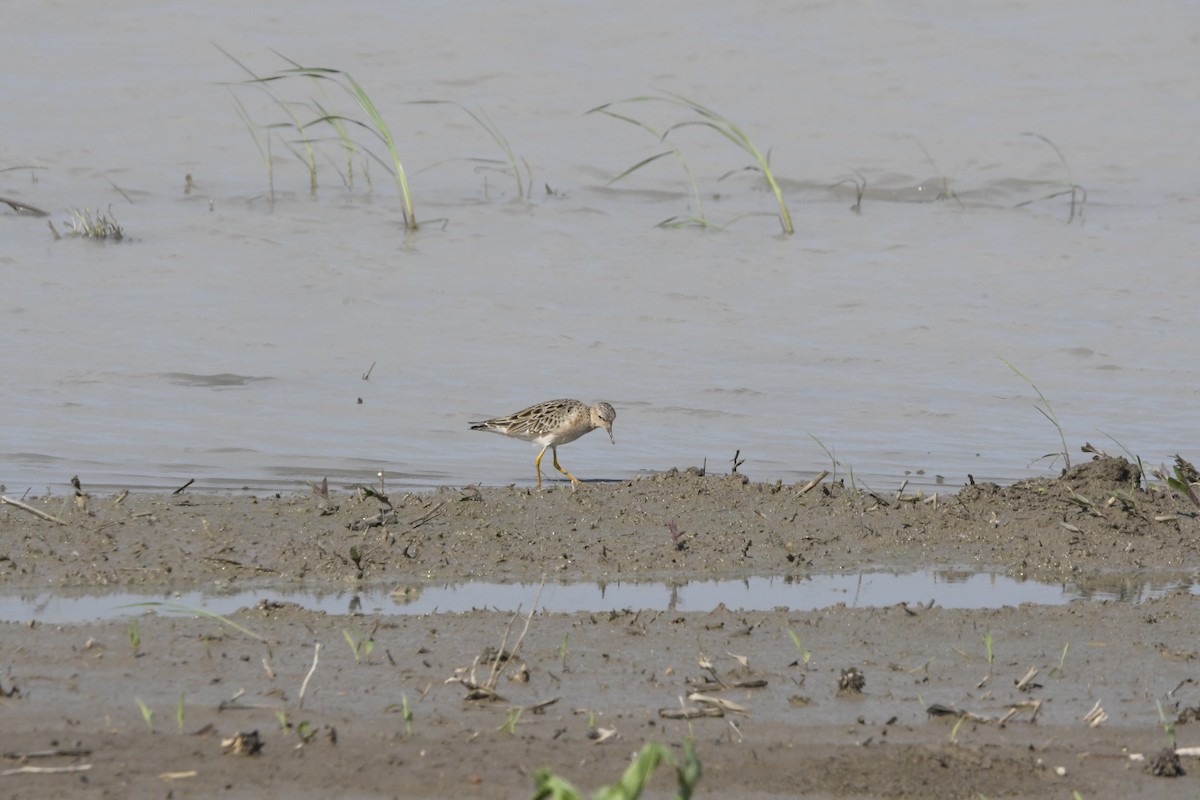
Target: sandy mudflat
{"x": 609, "y": 681}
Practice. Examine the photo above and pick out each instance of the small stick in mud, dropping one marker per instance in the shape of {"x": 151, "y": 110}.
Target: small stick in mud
{"x": 676, "y": 535}
{"x": 30, "y": 509}
{"x": 1026, "y": 683}
{"x": 311, "y": 670}
{"x": 186, "y": 485}
{"x": 814, "y": 483}
{"x": 28, "y": 770}
{"x": 73, "y": 752}
{"x": 498, "y": 661}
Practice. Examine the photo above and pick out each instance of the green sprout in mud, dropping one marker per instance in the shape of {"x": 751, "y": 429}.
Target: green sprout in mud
{"x": 1061, "y": 661}
{"x": 987, "y": 643}
{"x": 805, "y": 655}
{"x": 562, "y": 653}
{"x": 1046, "y": 410}
{"x": 147, "y": 713}
{"x": 510, "y": 724}
{"x": 360, "y": 645}
{"x": 306, "y": 731}
{"x": 135, "y": 638}
{"x": 1180, "y": 482}
{"x": 407, "y": 714}
{"x": 179, "y": 713}
{"x": 954, "y": 730}
{"x": 633, "y": 782}
{"x": 1168, "y": 725}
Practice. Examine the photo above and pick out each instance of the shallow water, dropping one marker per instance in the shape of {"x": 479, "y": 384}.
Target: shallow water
{"x": 226, "y": 340}
{"x": 945, "y": 588}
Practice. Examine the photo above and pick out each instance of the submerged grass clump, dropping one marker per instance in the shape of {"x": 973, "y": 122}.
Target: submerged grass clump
{"x": 92, "y": 225}
{"x": 708, "y": 118}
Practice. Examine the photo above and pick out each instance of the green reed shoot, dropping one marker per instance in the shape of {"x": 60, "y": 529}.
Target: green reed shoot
{"x": 262, "y": 143}
{"x": 698, "y": 219}
{"x": 987, "y": 643}
{"x": 714, "y": 121}
{"x": 345, "y": 81}
{"x": 308, "y": 158}
{"x": 377, "y": 125}
{"x": 349, "y": 146}
{"x": 179, "y": 712}
{"x": 1047, "y": 411}
{"x": 509, "y": 165}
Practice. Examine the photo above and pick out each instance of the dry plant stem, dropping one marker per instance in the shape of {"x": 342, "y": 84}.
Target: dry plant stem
{"x": 815, "y": 482}
{"x": 74, "y": 752}
{"x": 30, "y": 509}
{"x": 494, "y": 674}
{"x": 311, "y": 670}
{"x": 28, "y": 770}
{"x": 24, "y": 208}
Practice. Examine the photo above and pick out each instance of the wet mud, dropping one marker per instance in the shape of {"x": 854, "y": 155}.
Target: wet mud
{"x": 910, "y": 700}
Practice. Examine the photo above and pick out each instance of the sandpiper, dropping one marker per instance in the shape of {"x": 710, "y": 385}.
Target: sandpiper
{"x": 550, "y": 424}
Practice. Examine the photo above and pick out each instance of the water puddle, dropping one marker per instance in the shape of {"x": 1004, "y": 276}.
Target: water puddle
{"x": 946, "y": 588}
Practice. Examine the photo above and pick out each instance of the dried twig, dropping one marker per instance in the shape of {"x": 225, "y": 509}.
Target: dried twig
{"x": 814, "y": 483}
{"x": 28, "y": 770}
{"x": 311, "y": 670}
{"x": 37, "y": 512}
{"x": 73, "y": 752}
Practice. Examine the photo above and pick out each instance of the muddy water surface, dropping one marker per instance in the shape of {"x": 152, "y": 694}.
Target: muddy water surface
{"x": 227, "y": 338}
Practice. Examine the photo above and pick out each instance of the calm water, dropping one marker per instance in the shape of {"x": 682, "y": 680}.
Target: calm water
{"x": 948, "y": 589}
{"x": 227, "y": 339}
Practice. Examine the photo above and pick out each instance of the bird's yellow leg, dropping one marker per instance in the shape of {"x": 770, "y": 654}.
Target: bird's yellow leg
{"x": 537, "y": 463}
{"x": 554, "y": 453}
